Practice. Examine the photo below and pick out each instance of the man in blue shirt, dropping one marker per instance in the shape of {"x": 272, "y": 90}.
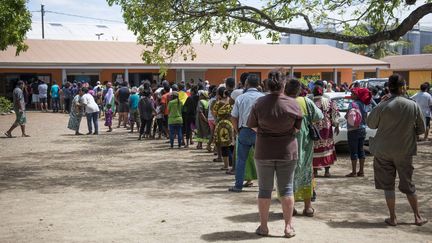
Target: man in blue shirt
{"x": 55, "y": 97}
{"x": 246, "y": 136}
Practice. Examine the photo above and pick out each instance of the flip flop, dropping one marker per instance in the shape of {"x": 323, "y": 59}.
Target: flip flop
{"x": 25, "y": 136}
{"x": 424, "y": 221}
{"x": 290, "y": 234}
{"x": 351, "y": 175}
{"x": 217, "y": 160}
{"x": 8, "y": 135}
{"x": 223, "y": 168}
{"x": 260, "y": 232}
{"x": 360, "y": 174}
{"x": 389, "y": 223}
{"x": 248, "y": 184}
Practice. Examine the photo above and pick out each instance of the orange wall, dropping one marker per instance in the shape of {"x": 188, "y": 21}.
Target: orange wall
{"x": 56, "y": 74}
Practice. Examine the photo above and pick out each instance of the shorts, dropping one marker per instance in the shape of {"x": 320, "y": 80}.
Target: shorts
{"x": 356, "y": 140}
{"x": 43, "y": 99}
{"x": 35, "y": 98}
{"x": 123, "y": 107}
{"x": 134, "y": 115}
{"x": 20, "y": 118}
{"x": 427, "y": 119}
{"x": 385, "y": 173}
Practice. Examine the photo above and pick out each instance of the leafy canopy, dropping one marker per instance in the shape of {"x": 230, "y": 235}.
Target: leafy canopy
{"x": 15, "y": 21}
{"x": 167, "y": 27}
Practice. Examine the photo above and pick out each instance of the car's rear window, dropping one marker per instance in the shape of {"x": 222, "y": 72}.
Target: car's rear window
{"x": 342, "y": 103}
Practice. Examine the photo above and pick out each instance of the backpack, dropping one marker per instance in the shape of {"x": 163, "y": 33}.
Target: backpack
{"x": 354, "y": 116}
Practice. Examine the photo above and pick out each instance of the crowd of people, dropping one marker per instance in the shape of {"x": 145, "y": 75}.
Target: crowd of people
{"x": 277, "y": 127}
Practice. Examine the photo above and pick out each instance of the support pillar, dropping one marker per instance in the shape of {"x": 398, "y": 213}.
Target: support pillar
{"x": 234, "y": 74}
{"x": 183, "y": 75}
{"x": 292, "y": 72}
{"x": 335, "y": 76}
{"x": 377, "y": 73}
{"x": 64, "y": 76}
{"x": 126, "y": 76}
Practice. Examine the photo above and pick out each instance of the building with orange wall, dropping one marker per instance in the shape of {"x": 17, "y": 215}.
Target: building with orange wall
{"x": 416, "y": 69}
{"x": 90, "y": 61}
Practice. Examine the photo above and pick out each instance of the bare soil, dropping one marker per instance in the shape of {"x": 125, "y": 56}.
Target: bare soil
{"x": 57, "y": 187}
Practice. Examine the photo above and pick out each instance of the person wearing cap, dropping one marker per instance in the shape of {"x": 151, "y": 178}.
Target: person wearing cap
{"x": 357, "y": 134}
{"x": 398, "y": 121}
{"x": 133, "y": 109}
{"x": 203, "y": 129}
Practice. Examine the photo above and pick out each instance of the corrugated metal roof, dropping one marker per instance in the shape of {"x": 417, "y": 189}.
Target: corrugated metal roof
{"x": 410, "y": 62}
{"x": 106, "y": 53}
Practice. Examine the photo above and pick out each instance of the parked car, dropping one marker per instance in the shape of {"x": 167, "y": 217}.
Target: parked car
{"x": 343, "y": 99}
{"x": 372, "y": 82}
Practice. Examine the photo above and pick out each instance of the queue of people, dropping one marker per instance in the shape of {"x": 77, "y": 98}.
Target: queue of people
{"x": 267, "y": 129}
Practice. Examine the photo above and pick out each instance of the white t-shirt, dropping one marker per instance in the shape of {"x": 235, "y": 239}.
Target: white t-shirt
{"x": 90, "y": 103}
{"x": 236, "y": 93}
{"x": 424, "y": 100}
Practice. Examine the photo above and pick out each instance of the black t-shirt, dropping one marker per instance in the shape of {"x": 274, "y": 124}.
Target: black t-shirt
{"x": 34, "y": 87}
{"x": 123, "y": 94}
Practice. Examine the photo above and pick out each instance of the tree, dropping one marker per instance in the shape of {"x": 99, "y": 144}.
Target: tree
{"x": 15, "y": 21}
{"x": 167, "y": 27}
{"x": 427, "y": 49}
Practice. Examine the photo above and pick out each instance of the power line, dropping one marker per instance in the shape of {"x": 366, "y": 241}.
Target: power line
{"x": 78, "y": 16}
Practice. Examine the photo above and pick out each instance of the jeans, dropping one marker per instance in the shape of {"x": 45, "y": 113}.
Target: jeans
{"x": 173, "y": 129}
{"x": 145, "y": 126}
{"x": 93, "y": 117}
{"x": 356, "y": 140}
{"x": 55, "y": 104}
{"x": 284, "y": 170}
{"x": 246, "y": 140}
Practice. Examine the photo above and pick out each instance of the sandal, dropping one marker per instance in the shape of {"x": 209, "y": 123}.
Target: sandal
{"x": 327, "y": 174}
{"x": 25, "y": 136}
{"x": 360, "y": 174}
{"x": 309, "y": 214}
{"x": 424, "y": 221}
{"x": 217, "y": 160}
{"x": 230, "y": 172}
{"x": 248, "y": 184}
{"x": 389, "y": 223}
{"x": 261, "y": 232}
{"x": 352, "y": 174}
{"x": 290, "y": 234}
{"x": 223, "y": 168}
{"x": 234, "y": 189}
{"x": 8, "y": 134}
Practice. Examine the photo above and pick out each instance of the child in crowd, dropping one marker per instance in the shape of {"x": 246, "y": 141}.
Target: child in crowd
{"x": 108, "y": 117}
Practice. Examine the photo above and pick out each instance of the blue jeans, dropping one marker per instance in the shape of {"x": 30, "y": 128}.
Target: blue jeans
{"x": 356, "y": 140}
{"x": 246, "y": 140}
{"x": 55, "y": 104}
{"x": 173, "y": 129}
{"x": 93, "y": 117}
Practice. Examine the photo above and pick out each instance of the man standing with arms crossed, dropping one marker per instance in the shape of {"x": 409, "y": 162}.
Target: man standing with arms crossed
{"x": 246, "y": 136}
{"x": 399, "y": 120}
{"x": 19, "y": 108}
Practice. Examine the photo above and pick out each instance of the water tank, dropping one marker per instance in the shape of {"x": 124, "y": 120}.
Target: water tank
{"x": 414, "y": 37}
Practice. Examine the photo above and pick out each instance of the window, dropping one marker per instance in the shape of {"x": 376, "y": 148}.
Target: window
{"x": 56, "y": 24}
{"x": 405, "y": 75}
{"x": 370, "y": 75}
{"x": 296, "y": 74}
{"x": 102, "y": 26}
{"x": 329, "y": 76}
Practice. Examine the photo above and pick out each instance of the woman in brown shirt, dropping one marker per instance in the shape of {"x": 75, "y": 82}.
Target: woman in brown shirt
{"x": 276, "y": 118}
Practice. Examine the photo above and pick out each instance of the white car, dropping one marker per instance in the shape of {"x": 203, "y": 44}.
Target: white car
{"x": 343, "y": 99}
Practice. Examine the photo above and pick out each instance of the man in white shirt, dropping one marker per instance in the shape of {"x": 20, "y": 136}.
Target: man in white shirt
{"x": 92, "y": 111}
{"x": 424, "y": 100}
{"x": 43, "y": 96}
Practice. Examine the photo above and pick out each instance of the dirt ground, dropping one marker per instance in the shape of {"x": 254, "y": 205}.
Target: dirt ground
{"x": 56, "y": 187}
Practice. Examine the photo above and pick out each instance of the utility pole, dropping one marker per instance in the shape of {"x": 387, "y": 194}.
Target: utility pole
{"x": 43, "y": 27}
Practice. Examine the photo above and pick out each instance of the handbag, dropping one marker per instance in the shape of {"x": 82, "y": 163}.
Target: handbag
{"x": 313, "y": 130}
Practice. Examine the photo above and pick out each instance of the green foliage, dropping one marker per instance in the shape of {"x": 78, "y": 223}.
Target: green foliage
{"x": 5, "y": 104}
{"x": 427, "y": 49}
{"x": 168, "y": 27}
{"x": 15, "y": 21}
